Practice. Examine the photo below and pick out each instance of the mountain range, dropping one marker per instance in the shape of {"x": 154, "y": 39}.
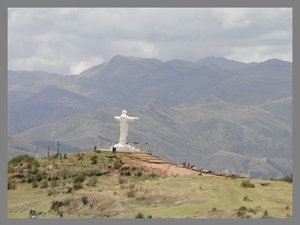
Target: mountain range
{"x": 215, "y": 113}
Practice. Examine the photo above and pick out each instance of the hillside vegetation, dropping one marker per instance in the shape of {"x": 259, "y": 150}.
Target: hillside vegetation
{"x": 101, "y": 184}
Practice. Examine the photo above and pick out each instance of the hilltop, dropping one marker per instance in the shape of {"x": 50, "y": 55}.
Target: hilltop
{"x": 101, "y": 184}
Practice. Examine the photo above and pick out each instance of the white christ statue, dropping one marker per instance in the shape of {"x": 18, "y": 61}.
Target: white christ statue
{"x": 124, "y": 120}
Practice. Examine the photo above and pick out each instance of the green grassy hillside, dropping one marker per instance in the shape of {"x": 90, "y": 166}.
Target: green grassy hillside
{"x": 103, "y": 185}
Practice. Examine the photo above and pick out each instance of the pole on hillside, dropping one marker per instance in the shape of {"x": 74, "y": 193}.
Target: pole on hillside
{"x": 48, "y": 152}
{"x": 57, "y": 144}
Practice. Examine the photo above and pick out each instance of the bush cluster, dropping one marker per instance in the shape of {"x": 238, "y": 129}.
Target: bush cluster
{"x": 84, "y": 200}
{"x": 21, "y": 158}
{"x": 242, "y": 211}
{"x": 233, "y": 176}
{"x": 139, "y": 216}
{"x": 288, "y": 179}
{"x": 125, "y": 173}
{"x": 246, "y": 183}
{"x": 139, "y": 174}
{"x": 56, "y": 204}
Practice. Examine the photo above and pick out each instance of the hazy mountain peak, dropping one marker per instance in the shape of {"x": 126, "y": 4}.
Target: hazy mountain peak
{"x": 276, "y": 61}
{"x": 224, "y": 63}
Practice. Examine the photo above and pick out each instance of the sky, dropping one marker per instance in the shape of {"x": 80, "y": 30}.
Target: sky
{"x": 70, "y": 40}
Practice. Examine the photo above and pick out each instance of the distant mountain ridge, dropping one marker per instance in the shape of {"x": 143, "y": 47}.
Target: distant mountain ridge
{"x": 188, "y": 110}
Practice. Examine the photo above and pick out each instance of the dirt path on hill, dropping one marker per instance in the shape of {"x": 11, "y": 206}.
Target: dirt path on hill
{"x": 154, "y": 164}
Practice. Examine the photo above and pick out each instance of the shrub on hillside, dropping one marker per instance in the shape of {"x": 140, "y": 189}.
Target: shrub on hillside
{"x": 125, "y": 173}
{"x": 246, "y": 183}
{"x": 128, "y": 173}
{"x": 79, "y": 179}
{"x": 84, "y": 200}
{"x": 21, "y": 158}
{"x": 30, "y": 179}
{"x": 56, "y": 204}
{"x": 139, "y": 216}
{"x": 266, "y": 214}
{"x": 36, "y": 163}
{"x": 241, "y": 211}
{"x": 139, "y": 174}
{"x": 233, "y": 176}
{"x": 243, "y": 208}
{"x": 288, "y": 179}
{"x": 40, "y": 176}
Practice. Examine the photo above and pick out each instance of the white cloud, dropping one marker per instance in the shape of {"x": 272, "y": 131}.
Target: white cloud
{"x": 232, "y": 18}
{"x": 77, "y": 67}
{"x": 136, "y": 48}
{"x": 260, "y": 53}
{"x": 65, "y": 40}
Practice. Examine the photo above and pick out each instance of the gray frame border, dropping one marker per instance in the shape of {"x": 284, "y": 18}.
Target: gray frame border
{"x": 137, "y": 3}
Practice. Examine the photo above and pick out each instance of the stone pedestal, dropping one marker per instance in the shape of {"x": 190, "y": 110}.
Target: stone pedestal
{"x": 125, "y": 147}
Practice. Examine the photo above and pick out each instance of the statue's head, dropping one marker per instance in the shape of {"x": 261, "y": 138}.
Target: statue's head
{"x": 124, "y": 112}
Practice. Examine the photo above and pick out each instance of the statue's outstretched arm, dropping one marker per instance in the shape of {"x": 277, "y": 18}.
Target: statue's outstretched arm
{"x": 131, "y": 119}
